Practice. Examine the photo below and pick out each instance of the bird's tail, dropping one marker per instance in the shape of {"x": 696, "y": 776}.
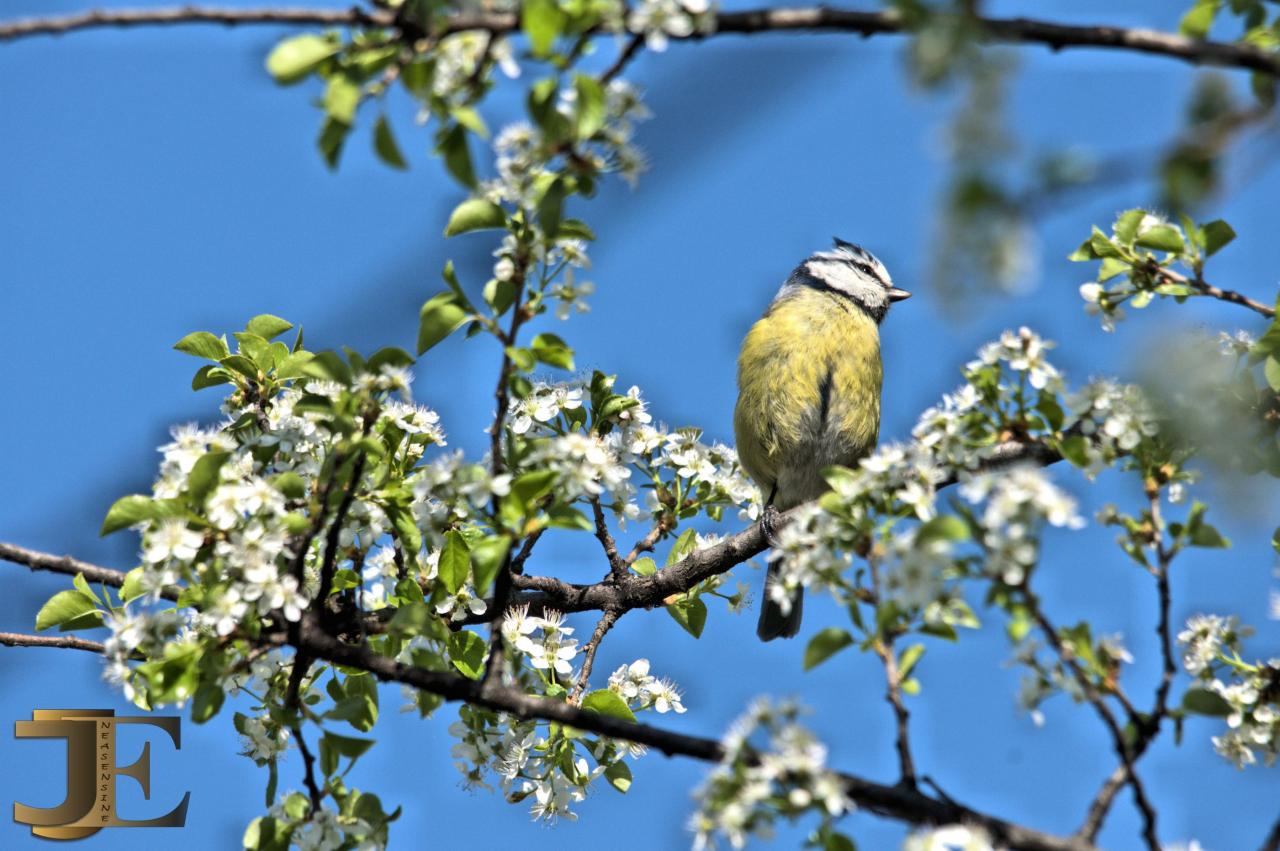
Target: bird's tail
{"x": 773, "y": 622}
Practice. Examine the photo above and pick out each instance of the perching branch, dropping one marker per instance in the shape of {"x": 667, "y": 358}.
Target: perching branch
{"x": 752, "y": 22}
{"x": 70, "y": 567}
{"x": 896, "y": 802}
{"x": 65, "y": 642}
{"x": 1205, "y": 288}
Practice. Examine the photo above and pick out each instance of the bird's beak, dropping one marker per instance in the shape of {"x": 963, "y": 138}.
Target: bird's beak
{"x": 896, "y": 294}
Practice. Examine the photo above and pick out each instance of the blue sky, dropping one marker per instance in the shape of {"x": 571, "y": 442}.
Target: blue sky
{"x": 156, "y": 182}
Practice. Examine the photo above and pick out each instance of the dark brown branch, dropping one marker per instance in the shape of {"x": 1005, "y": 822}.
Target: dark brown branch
{"x": 617, "y": 567}
{"x": 896, "y": 802}
{"x": 70, "y": 567}
{"x": 309, "y": 766}
{"x": 526, "y": 550}
{"x": 65, "y": 642}
{"x": 752, "y": 22}
{"x": 624, "y": 58}
{"x": 1205, "y": 288}
{"x": 1095, "y": 699}
{"x": 606, "y": 622}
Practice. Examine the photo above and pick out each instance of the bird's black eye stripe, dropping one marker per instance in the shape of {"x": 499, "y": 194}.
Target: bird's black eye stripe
{"x": 868, "y": 271}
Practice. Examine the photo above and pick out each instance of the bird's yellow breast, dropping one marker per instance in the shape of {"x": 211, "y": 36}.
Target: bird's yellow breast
{"x": 809, "y": 378}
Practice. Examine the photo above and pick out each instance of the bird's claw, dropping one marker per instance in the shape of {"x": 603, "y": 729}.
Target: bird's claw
{"x": 769, "y": 524}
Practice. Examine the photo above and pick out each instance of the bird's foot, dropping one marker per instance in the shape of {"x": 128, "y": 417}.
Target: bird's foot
{"x": 769, "y": 524}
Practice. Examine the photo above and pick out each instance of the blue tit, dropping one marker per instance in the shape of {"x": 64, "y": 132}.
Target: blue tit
{"x": 809, "y": 378}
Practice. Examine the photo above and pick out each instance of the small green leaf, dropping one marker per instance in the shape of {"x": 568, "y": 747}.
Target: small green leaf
{"x": 206, "y": 702}
{"x": 824, "y": 645}
{"x": 1197, "y": 22}
{"x": 440, "y": 317}
{"x": 132, "y": 587}
{"x": 341, "y": 97}
{"x": 293, "y": 59}
{"x": 63, "y": 608}
{"x": 487, "y": 557}
{"x": 1217, "y": 234}
{"x": 267, "y": 326}
{"x": 909, "y": 658}
{"x": 590, "y": 105}
{"x": 133, "y": 509}
{"x": 455, "y": 561}
{"x": 1161, "y": 238}
{"x": 467, "y": 652}
{"x": 451, "y": 145}
{"x": 553, "y": 351}
{"x": 384, "y": 145}
{"x": 944, "y": 527}
{"x": 475, "y": 214}
{"x": 647, "y": 567}
{"x": 605, "y": 702}
{"x": 619, "y": 776}
{"x": 202, "y": 344}
{"x": 333, "y": 135}
{"x": 690, "y": 614}
{"x": 542, "y": 21}
{"x": 204, "y": 476}
{"x": 1204, "y": 702}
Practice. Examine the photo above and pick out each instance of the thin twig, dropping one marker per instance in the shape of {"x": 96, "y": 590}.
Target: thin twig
{"x": 1095, "y": 699}
{"x": 71, "y": 567}
{"x": 526, "y": 550}
{"x": 647, "y": 543}
{"x": 309, "y": 763}
{"x": 65, "y": 642}
{"x": 1272, "y": 842}
{"x": 617, "y": 567}
{"x": 893, "y": 691}
{"x": 606, "y": 622}
{"x": 1206, "y": 288}
{"x": 628, "y": 53}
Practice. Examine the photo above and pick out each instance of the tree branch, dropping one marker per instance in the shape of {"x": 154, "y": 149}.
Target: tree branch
{"x": 895, "y": 802}
{"x": 752, "y": 22}
{"x": 66, "y": 642}
{"x": 70, "y": 567}
{"x": 606, "y": 622}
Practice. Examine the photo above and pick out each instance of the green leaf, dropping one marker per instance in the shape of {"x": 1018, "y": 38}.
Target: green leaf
{"x": 348, "y": 746}
{"x": 1201, "y": 701}
{"x": 1076, "y": 450}
{"x": 475, "y": 214}
{"x": 451, "y": 145}
{"x": 1162, "y": 238}
{"x": 529, "y": 487}
{"x": 944, "y": 527}
{"x": 1204, "y": 535}
{"x": 575, "y": 229}
{"x": 1126, "y": 226}
{"x": 455, "y": 561}
{"x": 384, "y": 144}
{"x": 267, "y": 834}
{"x": 333, "y": 135}
{"x": 440, "y": 317}
{"x": 293, "y": 59}
{"x": 619, "y": 776}
{"x": 1272, "y": 372}
{"x": 690, "y": 614}
{"x": 605, "y": 702}
{"x": 341, "y": 97}
{"x": 542, "y": 21}
{"x": 133, "y": 509}
{"x": 202, "y": 344}
{"x": 647, "y": 567}
{"x": 466, "y": 652}
{"x": 132, "y": 587}
{"x": 824, "y": 645}
{"x": 204, "y": 476}
{"x": 553, "y": 351}
{"x": 209, "y": 375}
{"x": 590, "y": 105}
{"x": 206, "y": 702}
{"x": 487, "y": 557}
{"x": 267, "y": 326}
{"x": 909, "y": 658}
{"x": 1197, "y": 22}
{"x": 64, "y": 607}
{"x": 1217, "y": 234}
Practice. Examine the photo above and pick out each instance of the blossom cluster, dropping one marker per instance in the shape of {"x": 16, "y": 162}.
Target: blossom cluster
{"x": 670, "y": 464}
{"x": 787, "y": 776}
{"x": 1248, "y": 694}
